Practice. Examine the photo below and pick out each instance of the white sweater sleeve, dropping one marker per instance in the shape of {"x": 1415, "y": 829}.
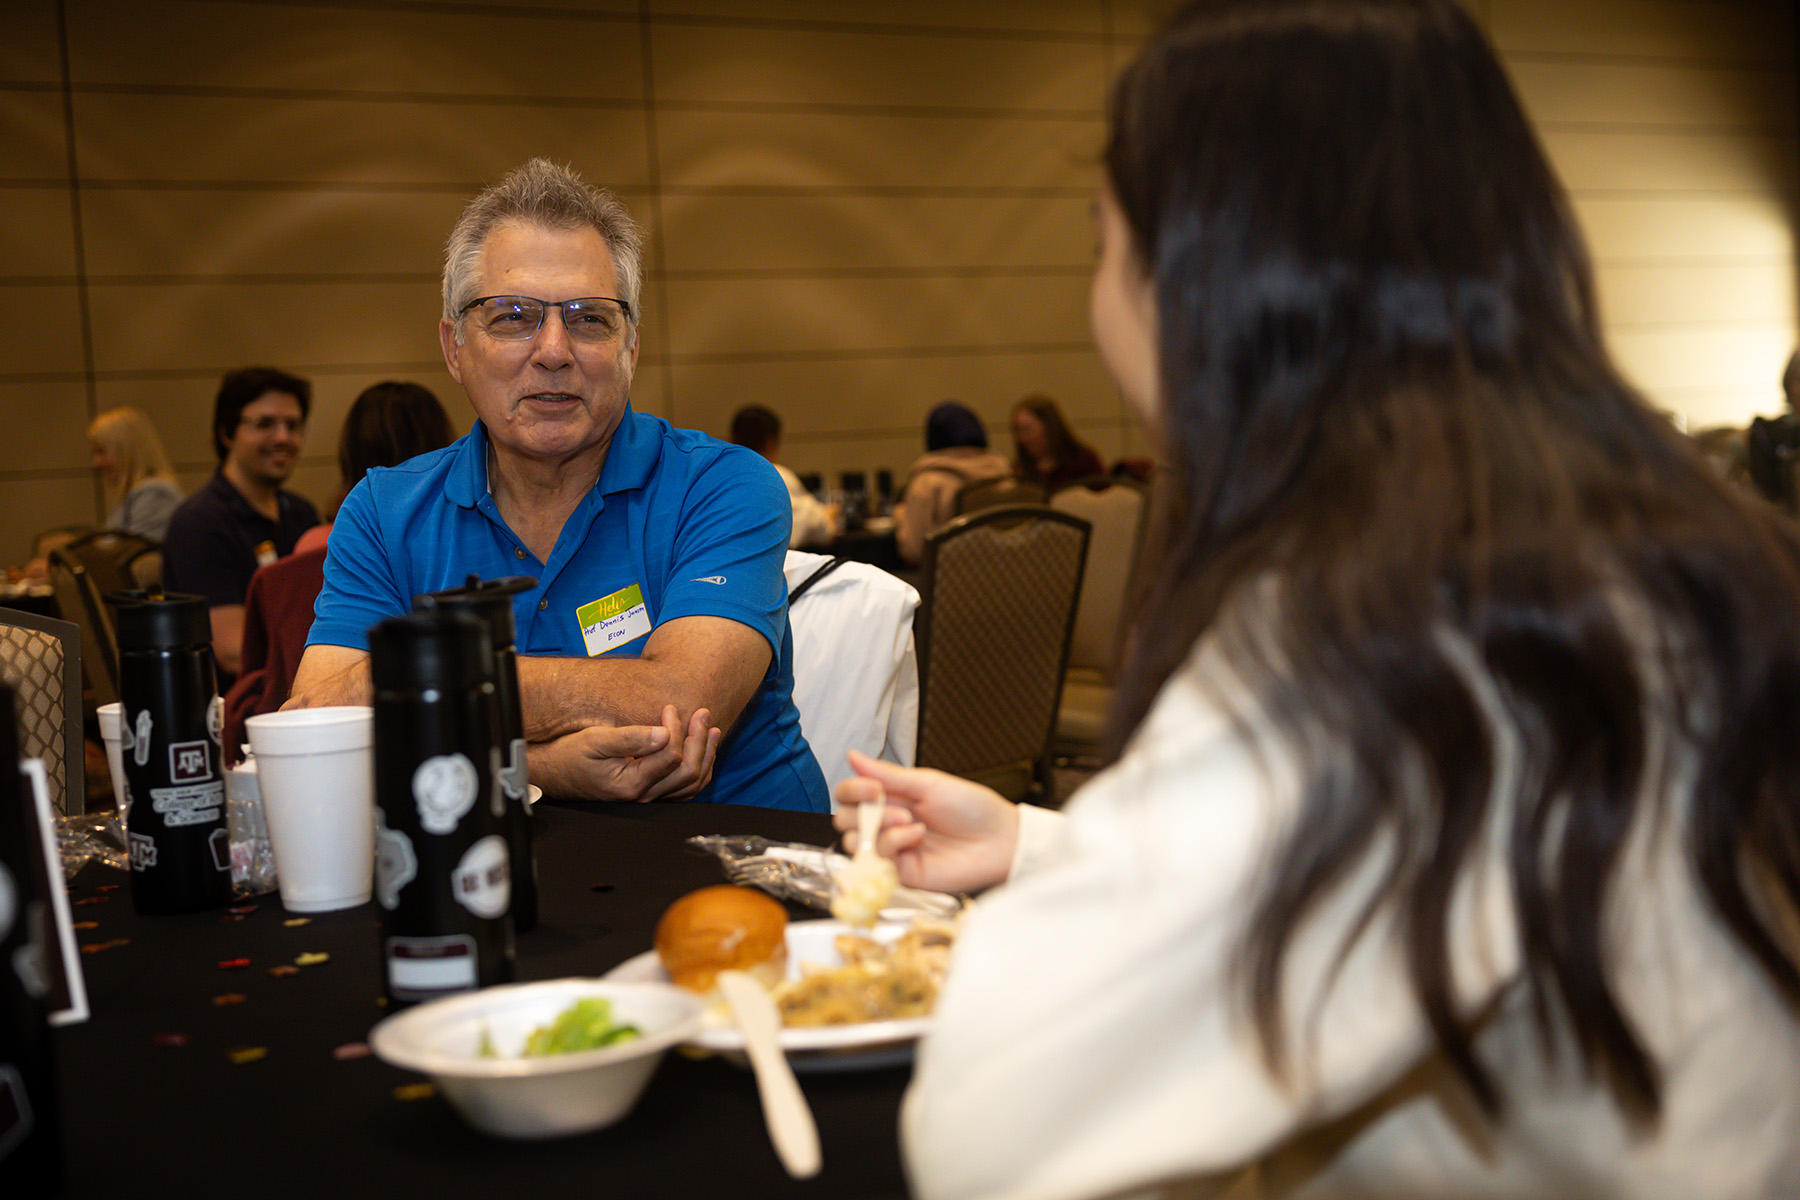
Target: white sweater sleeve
{"x": 1090, "y": 1041}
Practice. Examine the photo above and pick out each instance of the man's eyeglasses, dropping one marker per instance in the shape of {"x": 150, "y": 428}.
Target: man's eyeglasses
{"x": 271, "y": 424}
{"x": 518, "y": 318}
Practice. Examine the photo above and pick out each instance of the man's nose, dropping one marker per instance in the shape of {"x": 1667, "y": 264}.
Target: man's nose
{"x": 551, "y": 345}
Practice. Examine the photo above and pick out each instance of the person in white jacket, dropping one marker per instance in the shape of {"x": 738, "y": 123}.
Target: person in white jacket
{"x": 1450, "y": 848}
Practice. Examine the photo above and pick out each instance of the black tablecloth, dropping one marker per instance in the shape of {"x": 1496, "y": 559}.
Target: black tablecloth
{"x": 143, "y": 1117}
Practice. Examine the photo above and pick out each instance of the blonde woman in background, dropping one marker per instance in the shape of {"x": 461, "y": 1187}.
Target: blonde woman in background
{"x": 141, "y": 492}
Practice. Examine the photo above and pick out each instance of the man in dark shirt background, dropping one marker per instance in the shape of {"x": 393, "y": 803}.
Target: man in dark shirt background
{"x": 242, "y": 518}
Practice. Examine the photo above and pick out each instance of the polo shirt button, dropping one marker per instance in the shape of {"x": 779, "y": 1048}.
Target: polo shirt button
{"x": 543, "y": 604}
{"x": 518, "y": 552}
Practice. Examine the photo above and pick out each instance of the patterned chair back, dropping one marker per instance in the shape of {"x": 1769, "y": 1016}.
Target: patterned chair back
{"x": 40, "y": 659}
{"x": 990, "y": 493}
{"x": 993, "y": 630}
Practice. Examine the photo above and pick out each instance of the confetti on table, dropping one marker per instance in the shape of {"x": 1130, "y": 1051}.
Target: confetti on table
{"x": 107, "y": 887}
{"x": 85, "y": 925}
{"x": 413, "y": 1091}
{"x": 351, "y": 1050}
{"x": 234, "y": 964}
{"x": 293, "y": 921}
{"x": 241, "y": 910}
{"x": 248, "y": 1054}
{"x": 93, "y": 900}
{"x": 170, "y": 1039}
{"x": 97, "y": 947}
{"x": 229, "y": 918}
{"x": 312, "y": 960}
{"x": 283, "y": 970}
{"x": 229, "y": 998}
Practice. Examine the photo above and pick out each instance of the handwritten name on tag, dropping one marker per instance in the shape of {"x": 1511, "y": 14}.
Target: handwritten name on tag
{"x": 613, "y": 620}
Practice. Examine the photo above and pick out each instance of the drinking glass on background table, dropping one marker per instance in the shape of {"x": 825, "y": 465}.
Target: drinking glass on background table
{"x": 110, "y": 715}
{"x": 316, "y": 769}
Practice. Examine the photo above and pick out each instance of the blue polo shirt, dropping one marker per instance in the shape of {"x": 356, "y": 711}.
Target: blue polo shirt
{"x": 679, "y": 525}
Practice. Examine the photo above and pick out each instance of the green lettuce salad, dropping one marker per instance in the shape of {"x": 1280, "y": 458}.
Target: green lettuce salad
{"x": 584, "y": 1025}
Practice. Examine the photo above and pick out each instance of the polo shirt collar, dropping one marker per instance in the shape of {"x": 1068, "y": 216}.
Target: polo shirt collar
{"x": 630, "y": 461}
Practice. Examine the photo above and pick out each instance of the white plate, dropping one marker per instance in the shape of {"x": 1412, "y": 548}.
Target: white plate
{"x": 814, "y": 1048}
{"x": 533, "y": 793}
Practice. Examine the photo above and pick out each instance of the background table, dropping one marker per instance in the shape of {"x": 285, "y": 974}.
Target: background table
{"x": 143, "y": 1118}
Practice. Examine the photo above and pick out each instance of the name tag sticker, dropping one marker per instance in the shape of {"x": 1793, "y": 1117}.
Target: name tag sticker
{"x": 613, "y": 620}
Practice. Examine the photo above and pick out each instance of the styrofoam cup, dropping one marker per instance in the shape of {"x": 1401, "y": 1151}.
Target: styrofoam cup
{"x": 316, "y": 767}
{"x": 110, "y": 715}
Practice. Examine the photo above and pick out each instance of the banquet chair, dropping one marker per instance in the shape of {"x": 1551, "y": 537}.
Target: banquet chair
{"x": 856, "y": 674}
{"x": 40, "y": 659}
{"x": 993, "y": 630}
{"x": 85, "y": 572}
{"x": 989, "y": 493}
{"x": 1115, "y": 508}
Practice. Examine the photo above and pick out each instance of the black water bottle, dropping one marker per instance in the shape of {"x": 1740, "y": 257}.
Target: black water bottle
{"x": 169, "y": 742}
{"x": 442, "y": 870}
{"x": 491, "y": 602}
{"x": 30, "y": 1153}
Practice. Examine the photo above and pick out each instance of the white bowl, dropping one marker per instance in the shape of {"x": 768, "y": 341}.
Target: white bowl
{"x": 537, "y": 1097}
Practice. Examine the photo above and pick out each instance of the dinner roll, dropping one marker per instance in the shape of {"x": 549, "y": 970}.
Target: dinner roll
{"x": 720, "y": 928}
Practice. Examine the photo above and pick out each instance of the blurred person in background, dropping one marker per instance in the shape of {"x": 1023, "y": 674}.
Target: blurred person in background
{"x": 815, "y": 522}
{"x": 386, "y": 425}
{"x": 141, "y": 492}
{"x": 242, "y": 518}
{"x": 1044, "y": 449}
{"x": 1450, "y": 849}
{"x": 956, "y": 453}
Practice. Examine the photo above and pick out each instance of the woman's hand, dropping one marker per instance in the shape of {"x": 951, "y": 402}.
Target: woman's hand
{"x": 944, "y": 834}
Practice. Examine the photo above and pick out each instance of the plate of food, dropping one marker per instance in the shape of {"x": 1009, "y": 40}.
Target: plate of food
{"x": 850, "y": 998}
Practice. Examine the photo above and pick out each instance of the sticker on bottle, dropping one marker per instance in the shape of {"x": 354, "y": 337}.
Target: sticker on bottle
{"x": 395, "y": 863}
{"x": 481, "y": 882}
{"x": 444, "y": 788}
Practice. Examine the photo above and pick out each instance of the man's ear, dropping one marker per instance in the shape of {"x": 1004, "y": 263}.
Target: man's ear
{"x": 447, "y": 340}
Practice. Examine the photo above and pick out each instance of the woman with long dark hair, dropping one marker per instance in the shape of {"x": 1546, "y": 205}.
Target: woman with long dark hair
{"x": 1045, "y": 449}
{"x": 1452, "y": 846}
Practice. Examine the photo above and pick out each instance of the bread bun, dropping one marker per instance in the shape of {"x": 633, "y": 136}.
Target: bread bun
{"x": 723, "y": 928}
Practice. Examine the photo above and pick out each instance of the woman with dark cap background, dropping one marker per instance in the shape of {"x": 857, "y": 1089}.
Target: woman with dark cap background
{"x": 956, "y": 452}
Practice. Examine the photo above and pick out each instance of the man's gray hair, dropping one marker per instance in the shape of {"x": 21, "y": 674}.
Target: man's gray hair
{"x": 550, "y": 196}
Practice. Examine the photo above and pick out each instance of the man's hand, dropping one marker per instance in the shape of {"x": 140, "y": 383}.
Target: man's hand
{"x": 629, "y": 762}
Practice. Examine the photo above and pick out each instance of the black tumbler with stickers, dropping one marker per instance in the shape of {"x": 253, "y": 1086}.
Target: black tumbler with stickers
{"x": 442, "y": 868}
{"x": 491, "y": 602}
{"x": 169, "y": 727}
{"x": 30, "y": 1148}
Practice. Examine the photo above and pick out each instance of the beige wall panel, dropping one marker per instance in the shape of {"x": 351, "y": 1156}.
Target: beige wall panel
{"x": 1732, "y": 31}
{"x": 888, "y": 396}
{"x": 776, "y": 316}
{"x": 33, "y": 142}
{"x": 244, "y": 139}
{"x": 810, "y": 66}
{"x": 629, "y": 7}
{"x": 45, "y": 426}
{"x": 1665, "y": 362}
{"x": 1051, "y": 16}
{"x": 162, "y": 327}
{"x": 1611, "y": 160}
{"x": 1686, "y": 229}
{"x": 1665, "y": 96}
{"x": 28, "y": 52}
{"x": 1701, "y": 293}
{"x": 276, "y": 46}
{"x": 31, "y": 350}
{"x": 30, "y": 506}
{"x": 736, "y": 150}
{"x": 1133, "y": 21}
{"x": 134, "y": 231}
{"x": 37, "y": 237}
{"x": 789, "y": 233}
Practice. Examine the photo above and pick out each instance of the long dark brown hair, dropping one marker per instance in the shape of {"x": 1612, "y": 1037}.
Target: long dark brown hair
{"x": 1384, "y": 395}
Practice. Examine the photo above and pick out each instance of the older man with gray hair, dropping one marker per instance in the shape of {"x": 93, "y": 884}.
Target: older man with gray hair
{"x": 655, "y": 654}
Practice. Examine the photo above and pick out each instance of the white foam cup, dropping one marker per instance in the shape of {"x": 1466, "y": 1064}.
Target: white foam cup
{"x": 316, "y": 767}
{"x": 110, "y": 716}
